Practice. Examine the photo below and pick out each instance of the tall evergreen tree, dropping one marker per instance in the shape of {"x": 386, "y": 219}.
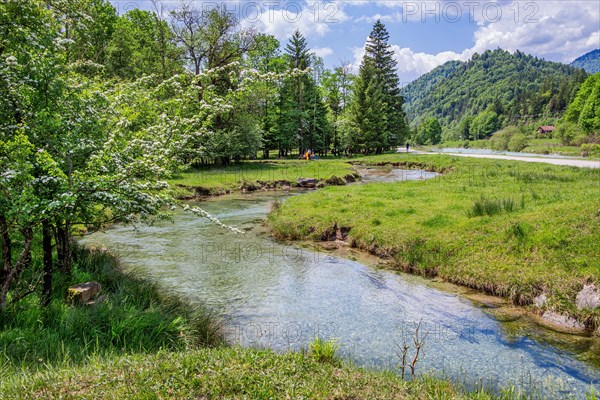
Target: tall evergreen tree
{"x": 303, "y": 114}
{"x": 380, "y": 87}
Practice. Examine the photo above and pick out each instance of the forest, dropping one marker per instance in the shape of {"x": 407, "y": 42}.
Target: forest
{"x": 473, "y": 99}
{"x": 98, "y": 109}
{"x": 589, "y": 62}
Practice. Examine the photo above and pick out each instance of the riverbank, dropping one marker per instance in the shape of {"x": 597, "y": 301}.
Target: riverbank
{"x": 525, "y": 232}
{"x": 252, "y": 176}
{"x": 232, "y": 373}
{"x": 141, "y": 342}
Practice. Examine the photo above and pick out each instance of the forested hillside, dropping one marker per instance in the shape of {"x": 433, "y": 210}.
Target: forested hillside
{"x": 589, "y": 61}
{"x": 510, "y": 88}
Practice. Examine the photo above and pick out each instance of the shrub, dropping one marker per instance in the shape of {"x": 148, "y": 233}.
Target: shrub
{"x": 590, "y": 149}
{"x": 517, "y": 142}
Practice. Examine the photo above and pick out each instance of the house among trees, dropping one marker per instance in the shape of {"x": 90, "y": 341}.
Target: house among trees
{"x": 544, "y": 130}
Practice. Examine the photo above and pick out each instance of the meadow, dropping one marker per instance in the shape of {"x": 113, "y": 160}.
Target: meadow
{"x": 511, "y": 229}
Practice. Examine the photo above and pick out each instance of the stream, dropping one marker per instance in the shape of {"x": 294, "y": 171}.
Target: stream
{"x": 282, "y": 296}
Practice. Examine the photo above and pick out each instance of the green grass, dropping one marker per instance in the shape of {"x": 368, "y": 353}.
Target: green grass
{"x": 323, "y": 350}
{"x": 224, "y": 373}
{"x": 136, "y": 315}
{"x": 218, "y": 180}
{"x": 507, "y": 228}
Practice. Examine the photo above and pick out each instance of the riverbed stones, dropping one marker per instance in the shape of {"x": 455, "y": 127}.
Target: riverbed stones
{"x": 307, "y": 182}
{"x": 83, "y": 293}
{"x": 562, "y": 321}
{"x": 589, "y": 297}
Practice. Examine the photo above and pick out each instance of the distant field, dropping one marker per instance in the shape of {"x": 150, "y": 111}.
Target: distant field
{"x": 509, "y": 228}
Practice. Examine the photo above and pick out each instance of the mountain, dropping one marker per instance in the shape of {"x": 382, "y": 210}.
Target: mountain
{"x": 515, "y": 86}
{"x": 590, "y": 62}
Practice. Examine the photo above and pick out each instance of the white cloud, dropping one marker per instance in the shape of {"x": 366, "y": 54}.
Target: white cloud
{"x": 551, "y": 29}
{"x": 322, "y": 51}
{"x": 312, "y": 19}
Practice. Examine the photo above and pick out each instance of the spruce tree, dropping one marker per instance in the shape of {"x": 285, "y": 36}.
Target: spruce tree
{"x": 303, "y": 115}
{"x": 380, "y": 87}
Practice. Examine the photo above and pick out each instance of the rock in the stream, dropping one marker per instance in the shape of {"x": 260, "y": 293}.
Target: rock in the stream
{"x": 307, "y": 182}
{"x": 83, "y": 292}
{"x": 589, "y": 297}
{"x": 563, "y": 321}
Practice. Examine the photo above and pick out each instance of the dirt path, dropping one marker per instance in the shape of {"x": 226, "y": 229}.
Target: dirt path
{"x": 555, "y": 161}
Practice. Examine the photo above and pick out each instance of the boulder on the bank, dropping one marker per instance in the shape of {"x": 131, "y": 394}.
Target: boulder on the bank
{"x": 350, "y": 178}
{"x": 307, "y": 182}
{"x": 563, "y": 321}
{"x": 83, "y": 293}
{"x": 589, "y": 297}
{"x": 335, "y": 181}
{"x": 249, "y": 187}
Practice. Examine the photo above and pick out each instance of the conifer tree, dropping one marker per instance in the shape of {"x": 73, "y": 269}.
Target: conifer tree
{"x": 377, "y": 95}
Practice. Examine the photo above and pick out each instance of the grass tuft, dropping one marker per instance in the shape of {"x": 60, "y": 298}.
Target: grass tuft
{"x": 486, "y": 206}
{"x": 323, "y": 350}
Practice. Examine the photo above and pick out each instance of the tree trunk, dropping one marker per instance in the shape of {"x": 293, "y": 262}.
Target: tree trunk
{"x": 9, "y": 273}
{"x": 63, "y": 247}
{"x": 47, "y": 250}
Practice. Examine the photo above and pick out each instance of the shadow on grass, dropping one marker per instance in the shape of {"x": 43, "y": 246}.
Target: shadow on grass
{"x": 134, "y": 315}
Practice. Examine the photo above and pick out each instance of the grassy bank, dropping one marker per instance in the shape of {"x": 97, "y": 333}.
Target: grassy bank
{"x": 133, "y": 315}
{"x": 255, "y": 175}
{"x": 142, "y": 343}
{"x": 507, "y": 228}
{"x": 225, "y": 373}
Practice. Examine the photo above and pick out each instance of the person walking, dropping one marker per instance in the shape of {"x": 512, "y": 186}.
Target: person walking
{"x": 407, "y": 147}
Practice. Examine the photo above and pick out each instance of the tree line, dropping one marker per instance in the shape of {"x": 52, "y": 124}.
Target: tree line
{"x": 98, "y": 110}
{"x": 473, "y": 99}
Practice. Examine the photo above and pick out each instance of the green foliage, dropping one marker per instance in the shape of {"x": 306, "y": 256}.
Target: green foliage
{"x": 590, "y": 149}
{"x": 377, "y": 110}
{"x": 483, "y": 125}
{"x": 323, "y": 350}
{"x": 589, "y": 62}
{"x": 517, "y": 87}
{"x": 303, "y": 120}
{"x": 585, "y": 108}
{"x": 518, "y": 142}
{"x": 142, "y": 44}
{"x": 429, "y": 132}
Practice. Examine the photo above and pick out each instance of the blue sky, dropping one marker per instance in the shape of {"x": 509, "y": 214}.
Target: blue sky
{"x": 423, "y": 34}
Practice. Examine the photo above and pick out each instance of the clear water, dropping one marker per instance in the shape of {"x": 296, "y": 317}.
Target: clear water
{"x": 281, "y": 296}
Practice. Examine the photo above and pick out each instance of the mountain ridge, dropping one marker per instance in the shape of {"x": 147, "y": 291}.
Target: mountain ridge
{"x": 590, "y": 62}
{"x": 513, "y": 85}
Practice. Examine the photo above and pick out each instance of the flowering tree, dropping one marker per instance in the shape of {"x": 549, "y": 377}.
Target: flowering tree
{"x": 77, "y": 150}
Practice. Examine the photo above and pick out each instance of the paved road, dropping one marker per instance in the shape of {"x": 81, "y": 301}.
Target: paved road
{"x": 555, "y": 161}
